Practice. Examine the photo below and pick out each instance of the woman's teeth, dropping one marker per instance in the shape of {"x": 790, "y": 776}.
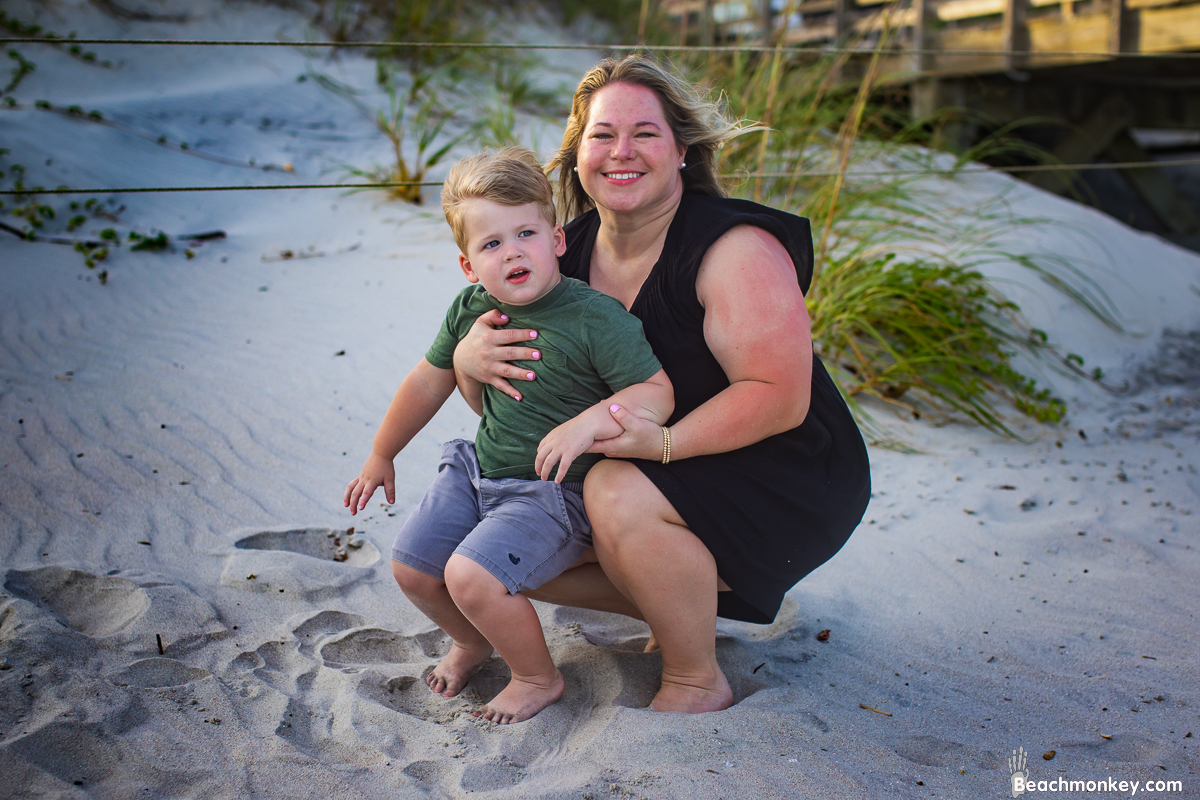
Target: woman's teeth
{"x": 623, "y": 176}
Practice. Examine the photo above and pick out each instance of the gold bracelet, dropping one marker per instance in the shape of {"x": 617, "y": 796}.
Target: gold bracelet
{"x": 666, "y": 445}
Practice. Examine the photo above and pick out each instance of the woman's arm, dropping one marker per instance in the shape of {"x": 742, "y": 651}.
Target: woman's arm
{"x": 483, "y": 356}
{"x": 756, "y": 325}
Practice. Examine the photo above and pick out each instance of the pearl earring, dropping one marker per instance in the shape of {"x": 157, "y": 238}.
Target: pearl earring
{"x": 682, "y": 164}
{"x": 576, "y": 169}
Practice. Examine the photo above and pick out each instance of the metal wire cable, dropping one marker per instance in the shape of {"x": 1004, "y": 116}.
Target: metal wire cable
{"x": 801, "y": 49}
{"x": 1183, "y": 162}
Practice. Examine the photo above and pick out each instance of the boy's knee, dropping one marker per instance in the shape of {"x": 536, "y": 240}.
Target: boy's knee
{"x": 414, "y": 582}
{"x": 470, "y": 583}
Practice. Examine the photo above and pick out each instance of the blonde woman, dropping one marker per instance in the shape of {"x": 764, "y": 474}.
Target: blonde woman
{"x": 760, "y": 475}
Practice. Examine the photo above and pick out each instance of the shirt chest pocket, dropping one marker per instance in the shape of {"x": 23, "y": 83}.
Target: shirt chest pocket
{"x": 554, "y": 371}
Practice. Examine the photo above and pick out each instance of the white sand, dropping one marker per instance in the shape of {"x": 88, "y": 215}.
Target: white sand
{"x": 185, "y": 481}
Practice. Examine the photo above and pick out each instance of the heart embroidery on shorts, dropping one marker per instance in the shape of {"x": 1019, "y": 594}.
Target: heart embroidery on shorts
{"x": 514, "y": 559}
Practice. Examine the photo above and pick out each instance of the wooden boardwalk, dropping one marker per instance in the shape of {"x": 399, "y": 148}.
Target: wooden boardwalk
{"x": 1071, "y": 63}
{"x": 998, "y": 34}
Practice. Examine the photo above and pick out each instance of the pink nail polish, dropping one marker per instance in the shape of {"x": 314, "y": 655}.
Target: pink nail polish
{"x": 529, "y": 375}
{"x": 533, "y": 334}
{"x": 504, "y": 316}
{"x": 536, "y": 354}
{"x": 614, "y": 408}
{"x": 518, "y": 398}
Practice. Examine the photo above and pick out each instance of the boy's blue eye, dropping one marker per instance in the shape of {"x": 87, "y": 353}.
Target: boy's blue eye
{"x": 524, "y": 233}
{"x": 491, "y": 244}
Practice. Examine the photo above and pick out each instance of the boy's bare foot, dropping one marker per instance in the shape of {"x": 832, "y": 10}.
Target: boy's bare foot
{"x": 692, "y": 699}
{"x": 521, "y": 699}
{"x": 450, "y": 676}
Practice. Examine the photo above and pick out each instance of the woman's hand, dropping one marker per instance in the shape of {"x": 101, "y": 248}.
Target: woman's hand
{"x": 640, "y": 438}
{"x": 378, "y": 471}
{"x": 484, "y": 354}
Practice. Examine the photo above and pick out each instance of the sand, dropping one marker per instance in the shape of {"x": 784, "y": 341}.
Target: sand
{"x": 175, "y": 443}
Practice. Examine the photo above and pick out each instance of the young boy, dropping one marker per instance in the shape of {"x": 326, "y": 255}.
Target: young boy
{"x": 491, "y": 525}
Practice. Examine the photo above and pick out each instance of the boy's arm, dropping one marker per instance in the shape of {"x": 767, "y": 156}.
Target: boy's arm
{"x": 471, "y": 391}
{"x": 419, "y": 397}
{"x": 653, "y": 399}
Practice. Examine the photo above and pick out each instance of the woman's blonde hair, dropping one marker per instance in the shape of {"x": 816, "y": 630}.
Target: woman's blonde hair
{"x": 696, "y": 122}
{"x": 510, "y": 177}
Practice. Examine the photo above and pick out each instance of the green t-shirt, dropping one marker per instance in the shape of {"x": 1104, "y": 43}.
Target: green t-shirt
{"x": 591, "y": 348}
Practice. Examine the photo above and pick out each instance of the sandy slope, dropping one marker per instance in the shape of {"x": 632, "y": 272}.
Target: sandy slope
{"x": 185, "y": 483}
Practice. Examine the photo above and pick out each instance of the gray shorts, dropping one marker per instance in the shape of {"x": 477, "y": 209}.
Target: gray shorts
{"x": 523, "y": 532}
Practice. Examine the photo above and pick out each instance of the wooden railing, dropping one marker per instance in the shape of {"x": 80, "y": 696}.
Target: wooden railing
{"x": 997, "y": 35}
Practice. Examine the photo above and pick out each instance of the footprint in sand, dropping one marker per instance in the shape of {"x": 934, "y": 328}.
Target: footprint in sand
{"x": 310, "y": 630}
{"x": 408, "y": 694}
{"x": 312, "y": 563}
{"x": 496, "y": 774}
{"x": 1127, "y": 748}
{"x": 92, "y": 605}
{"x": 155, "y": 673}
{"x": 8, "y": 622}
{"x": 320, "y": 543}
{"x": 930, "y": 751}
{"x": 371, "y": 646}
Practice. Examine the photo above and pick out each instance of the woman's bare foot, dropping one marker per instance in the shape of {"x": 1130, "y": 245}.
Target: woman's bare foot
{"x": 693, "y": 699}
{"x": 521, "y": 699}
{"x": 450, "y": 676}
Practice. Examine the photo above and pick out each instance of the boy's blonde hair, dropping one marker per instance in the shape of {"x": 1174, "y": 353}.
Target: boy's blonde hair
{"x": 510, "y": 177}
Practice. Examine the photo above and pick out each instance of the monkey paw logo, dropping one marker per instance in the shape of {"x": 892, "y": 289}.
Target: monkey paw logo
{"x": 1019, "y": 774}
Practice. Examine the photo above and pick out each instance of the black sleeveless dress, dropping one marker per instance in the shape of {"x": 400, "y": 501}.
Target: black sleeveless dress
{"x": 772, "y": 512}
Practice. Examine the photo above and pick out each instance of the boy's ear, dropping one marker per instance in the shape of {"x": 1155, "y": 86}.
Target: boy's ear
{"x": 560, "y": 240}
{"x": 465, "y": 266}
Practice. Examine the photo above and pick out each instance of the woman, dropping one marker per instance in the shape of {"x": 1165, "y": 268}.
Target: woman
{"x": 761, "y": 474}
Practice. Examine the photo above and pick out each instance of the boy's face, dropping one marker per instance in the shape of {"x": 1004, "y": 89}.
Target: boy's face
{"x": 512, "y": 250}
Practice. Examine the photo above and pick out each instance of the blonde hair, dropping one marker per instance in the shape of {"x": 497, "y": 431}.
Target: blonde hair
{"x": 696, "y": 122}
{"x": 510, "y": 177}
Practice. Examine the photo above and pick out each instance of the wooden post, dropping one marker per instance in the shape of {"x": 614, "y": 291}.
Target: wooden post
{"x": 1016, "y": 37}
{"x": 1088, "y": 140}
{"x": 1117, "y": 27}
{"x": 841, "y": 21}
{"x": 1154, "y": 187}
{"x": 706, "y": 24}
{"x": 924, "y": 90}
{"x": 765, "y": 17}
{"x": 923, "y": 15}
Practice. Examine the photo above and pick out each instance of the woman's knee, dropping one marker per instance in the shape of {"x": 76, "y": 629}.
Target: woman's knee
{"x": 611, "y": 490}
{"x": 621, "y": 500}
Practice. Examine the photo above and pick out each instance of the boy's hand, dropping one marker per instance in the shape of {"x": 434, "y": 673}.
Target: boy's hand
{"x": 378, "y": 471}
{"x": 564, "y": 444}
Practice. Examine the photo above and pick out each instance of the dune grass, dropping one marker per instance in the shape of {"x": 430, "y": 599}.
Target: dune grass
{"x": 900, "y": 310}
